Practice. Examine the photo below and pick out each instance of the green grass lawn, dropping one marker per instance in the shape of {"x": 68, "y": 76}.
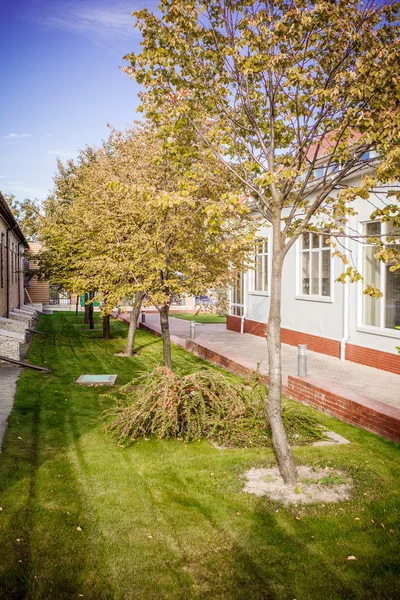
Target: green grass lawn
{"x": 200, "y": 318}
{"x": 168, "y": 520}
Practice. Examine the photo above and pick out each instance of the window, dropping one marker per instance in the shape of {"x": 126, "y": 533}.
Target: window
{"x": 372, "y": 275}
{"x": 237, "y": 296}
{"x": 333, "y": 168}
{"x": 383, "y": 312}
{"x": 319, "y": 172}
{"x": 261, "y": 266}
{"x": 315, "y": 265}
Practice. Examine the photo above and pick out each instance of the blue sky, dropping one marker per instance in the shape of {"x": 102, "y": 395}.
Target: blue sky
{"x": 61, "y": 83}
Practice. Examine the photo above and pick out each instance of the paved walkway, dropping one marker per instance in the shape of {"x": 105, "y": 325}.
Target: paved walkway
{"x": 369, "y": 382}
{"x": 8, "y": 385}
{"x": 9, "y": 376}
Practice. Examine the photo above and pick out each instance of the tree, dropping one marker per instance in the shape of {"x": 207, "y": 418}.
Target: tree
{"x": 64, "y": 237}
{"x": 280, "y": 84}
{"x": 146, "y": 214}
{"x": 187, "y": 209}
{"x": 27, "y": 212}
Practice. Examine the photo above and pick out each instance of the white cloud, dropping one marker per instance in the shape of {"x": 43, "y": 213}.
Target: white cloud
{"x": 60, "y": 153}
{"x": 10, "y": 136}
{"x": 21, "y": 190}
{"x": 87, "y": 17}
{"x": 3, "y": 176}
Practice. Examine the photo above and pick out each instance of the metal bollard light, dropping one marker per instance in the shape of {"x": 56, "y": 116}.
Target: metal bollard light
{"x": 192, "y": 330}
{"x": 143, "y": 316}
{"x": 302, "y": 360}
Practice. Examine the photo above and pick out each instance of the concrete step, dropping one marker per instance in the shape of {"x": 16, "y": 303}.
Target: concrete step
{"x": 12, "y": 325}
{"x": 10, "y": 343}
{"x": 21, "y": 316}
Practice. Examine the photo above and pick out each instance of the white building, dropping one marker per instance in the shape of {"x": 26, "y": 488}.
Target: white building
{"x": 330, "y": 317}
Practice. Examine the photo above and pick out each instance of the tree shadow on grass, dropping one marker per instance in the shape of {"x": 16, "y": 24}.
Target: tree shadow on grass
{"x": 45, "y": 555}
{"x": 207, "y": 541}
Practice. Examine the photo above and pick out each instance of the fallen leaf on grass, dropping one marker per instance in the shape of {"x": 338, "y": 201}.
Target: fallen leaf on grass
{"x": 351, "y": 558}
{"x": 79, "y": 528}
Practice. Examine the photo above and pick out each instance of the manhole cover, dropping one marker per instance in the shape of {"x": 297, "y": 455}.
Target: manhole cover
{"x": 97, "y": 379}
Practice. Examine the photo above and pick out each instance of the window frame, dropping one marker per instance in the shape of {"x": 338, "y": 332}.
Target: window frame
{"x": 266, "y": 262}
{"x": 237, "y": 305}
{"x": 300, "y": 295}
{"x": 373, "y": 329}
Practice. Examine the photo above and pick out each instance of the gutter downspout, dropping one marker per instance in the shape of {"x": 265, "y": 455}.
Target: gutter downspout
{"x": 19, "y": 276}
{"x": 8, "y": 273}
{"x": 345, "y": 314}
{"x": 243, "y": 317}
{"x": 345, "y": 322}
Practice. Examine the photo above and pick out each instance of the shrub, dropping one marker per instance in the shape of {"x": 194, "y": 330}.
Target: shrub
{"x": 201, "y": 405}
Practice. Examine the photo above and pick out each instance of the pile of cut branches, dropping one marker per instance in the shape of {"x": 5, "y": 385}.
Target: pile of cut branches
{"x": 202, "y": 405}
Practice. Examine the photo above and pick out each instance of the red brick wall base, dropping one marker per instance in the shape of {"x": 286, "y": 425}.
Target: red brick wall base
{"x": 358, "y": 354}
{"x": 347, "y": 406}
{"x": 255, "y": 328}
{"x": 331, "y": 399}
{"x": 374, "y": 358}
{"x": 233, "y": 323}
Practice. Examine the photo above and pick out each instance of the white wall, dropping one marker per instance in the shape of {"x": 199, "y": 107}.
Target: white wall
{"x": 317, "y": 317}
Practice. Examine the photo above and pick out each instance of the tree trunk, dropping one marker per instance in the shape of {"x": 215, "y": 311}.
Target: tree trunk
{"x": 77, "y": 305}
{"x": 130, "y": 342}
{"x": 86, "y": 317}
{"x": 106, "y": 328}
{"x": 280, "y": 442}
{"x": 91, "y": 316}
{"x": 164, "y": 321}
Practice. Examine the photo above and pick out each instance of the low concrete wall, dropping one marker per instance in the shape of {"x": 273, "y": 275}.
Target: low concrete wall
{"x": 12, "y": 325}
{"x": 10, "y": 344}
{"x": 17, "y": 316}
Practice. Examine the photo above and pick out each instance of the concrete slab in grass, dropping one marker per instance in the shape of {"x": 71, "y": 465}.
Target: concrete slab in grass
{"x": 97, "y": 379}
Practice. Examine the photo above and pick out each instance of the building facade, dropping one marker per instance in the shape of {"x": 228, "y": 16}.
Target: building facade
{"x": 12, "y": 248}
{"x": 330, "y": 317}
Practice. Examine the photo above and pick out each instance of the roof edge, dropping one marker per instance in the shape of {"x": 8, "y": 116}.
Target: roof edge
{"x": 10, "y": 220}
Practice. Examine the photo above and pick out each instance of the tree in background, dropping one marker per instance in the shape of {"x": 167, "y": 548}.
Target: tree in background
{"x": 187, "y": 210}
{"x": 279, "y": 84}
{"x": 27, "y": 213}
{"x": 145, "y": 214}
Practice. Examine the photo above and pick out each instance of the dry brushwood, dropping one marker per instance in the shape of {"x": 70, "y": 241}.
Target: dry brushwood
{"x": 202, "y": 405}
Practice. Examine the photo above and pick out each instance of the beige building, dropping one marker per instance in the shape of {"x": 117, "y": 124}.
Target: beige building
{"x": 12, "y": 248}
{"x": 38, "y": 291}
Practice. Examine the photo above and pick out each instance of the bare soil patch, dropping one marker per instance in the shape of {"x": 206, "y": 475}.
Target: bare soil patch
{"x": 322, "y": 485}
